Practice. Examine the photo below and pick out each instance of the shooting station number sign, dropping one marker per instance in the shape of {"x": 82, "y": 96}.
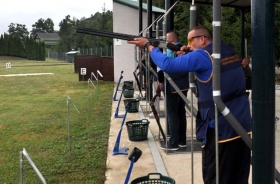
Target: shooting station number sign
{"x": 83, "y": 71}
{"x": 8, "y": 65}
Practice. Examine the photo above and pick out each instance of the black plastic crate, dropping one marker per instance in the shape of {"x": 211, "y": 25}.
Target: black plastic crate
{"x": 137, "y": 129}
{"x": 154, "y": 178}
{"x": 134, "y": 104}
{"x": 128, "y": 84}
{"x": 128, "y": 92}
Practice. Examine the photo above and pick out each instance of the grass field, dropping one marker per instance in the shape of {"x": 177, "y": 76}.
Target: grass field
{"x": 34, "y": 116}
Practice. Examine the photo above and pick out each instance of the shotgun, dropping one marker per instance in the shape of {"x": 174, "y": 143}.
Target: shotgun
{"x": 155, "y": 42}
{"x": 158, "y": 91}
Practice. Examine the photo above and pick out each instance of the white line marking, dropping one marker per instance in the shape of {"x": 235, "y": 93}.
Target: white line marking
{"x": 26, "y": 74}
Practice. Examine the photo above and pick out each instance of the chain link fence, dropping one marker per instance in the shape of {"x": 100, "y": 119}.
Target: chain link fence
{"x": 98, "y": 51}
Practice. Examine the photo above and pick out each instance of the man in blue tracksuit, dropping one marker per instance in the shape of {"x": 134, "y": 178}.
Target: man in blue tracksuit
{"x": 234, "y": 154}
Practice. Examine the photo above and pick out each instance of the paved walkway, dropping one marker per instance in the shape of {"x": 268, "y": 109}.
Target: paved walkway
{"x": 176, "y": 165}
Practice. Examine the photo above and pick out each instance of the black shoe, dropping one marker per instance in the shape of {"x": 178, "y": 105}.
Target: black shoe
{"x": 169, "y": 148}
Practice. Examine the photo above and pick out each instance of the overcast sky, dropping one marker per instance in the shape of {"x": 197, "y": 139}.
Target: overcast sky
{"x": 30, "y": 11}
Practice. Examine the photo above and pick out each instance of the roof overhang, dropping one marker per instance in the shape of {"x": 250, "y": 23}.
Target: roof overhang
{"x": 135, "y": 4}
{"x": 242, "y": 4}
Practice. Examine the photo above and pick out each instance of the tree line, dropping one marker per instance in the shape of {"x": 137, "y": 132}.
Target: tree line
{"x": 12, "y": 45}
{"x": 67, "y": 32}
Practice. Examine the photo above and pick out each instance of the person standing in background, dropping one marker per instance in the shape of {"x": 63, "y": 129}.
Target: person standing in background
{"x": 248, "y": 74}
{"x": 175, "y": 105}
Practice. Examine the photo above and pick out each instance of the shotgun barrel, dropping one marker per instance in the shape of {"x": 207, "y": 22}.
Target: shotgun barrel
{"x": 112, "y": 34}
{"x": 156, "y": 42}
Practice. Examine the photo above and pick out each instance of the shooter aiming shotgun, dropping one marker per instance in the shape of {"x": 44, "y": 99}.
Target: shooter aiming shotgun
{"x": 155, "y": 42}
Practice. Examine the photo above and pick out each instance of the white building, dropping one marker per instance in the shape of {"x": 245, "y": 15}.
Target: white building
{"x": 126, "y": 20}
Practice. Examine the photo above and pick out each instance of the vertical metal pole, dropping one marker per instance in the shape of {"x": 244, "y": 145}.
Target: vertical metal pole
{"x": 139, "y": 51}
{"x": 164, "y": 27}
{"x": 263, "y": 91}
{"x": 192, "y": 85}
{"x": 97, "y": 78}
{"x": 149, "y": 35}
{"x": 217, "y": 144}
{"x": 170, "y": 15}
{"x": 216, "y": 69}
{"x": 88, "y": 97}
{"x": 149, "y": 16}
{"x": 21, "y": 167}
{"x": 140, "y": 16}
{"x": 242, "y": 12}
{"x": 167, "y": 132}
{"x": 246, "y": 48}
{"x": 68, "y": 121}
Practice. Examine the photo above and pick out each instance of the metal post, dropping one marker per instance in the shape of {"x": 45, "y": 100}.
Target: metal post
{"x": 149, "y": 95}
{"x": 149, "y": 82}
{"x": 217, "y": 144}
{"x": 149, "y": 16}
{"x": 170, "y": 16}
{"x": 242, "y": 12}
{"x": 41, "y": 177}
{"x": 263, "y": 92}
{"x": 68, "y": 123}
{"x": 21, "y": 167}
{"x": 192, "y": 86}
{"x": 216, "y": 70}
{"x": 140, "y": 16}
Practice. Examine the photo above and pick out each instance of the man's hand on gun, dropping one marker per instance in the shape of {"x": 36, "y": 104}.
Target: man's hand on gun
{"x": 139, "y": 42}
{"x": 183, "y": 50}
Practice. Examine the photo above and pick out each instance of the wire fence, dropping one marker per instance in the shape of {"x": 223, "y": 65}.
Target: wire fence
{"x": 100, "y": 51}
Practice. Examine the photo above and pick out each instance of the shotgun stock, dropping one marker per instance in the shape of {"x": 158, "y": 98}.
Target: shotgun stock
{"x": 158, "y": 90}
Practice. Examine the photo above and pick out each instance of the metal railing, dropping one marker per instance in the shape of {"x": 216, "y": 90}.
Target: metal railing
{"x": 97, "y": 51}
{"x": 24, "y": 153}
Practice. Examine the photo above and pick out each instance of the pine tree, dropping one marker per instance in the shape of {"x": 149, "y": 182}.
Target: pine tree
{"x": 1, "y": 45}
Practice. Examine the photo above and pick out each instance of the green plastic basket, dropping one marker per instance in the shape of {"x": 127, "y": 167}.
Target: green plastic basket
{"x": 134, "y": 104}
{"x": 153, "y": 178}
{"x": 128, "y": 84}
{"x": 137, "y": 129}
{"x": 128, "y": 92}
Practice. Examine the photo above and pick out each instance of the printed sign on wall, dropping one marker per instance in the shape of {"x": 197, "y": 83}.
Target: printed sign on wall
{"x": 83, "y": 71}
